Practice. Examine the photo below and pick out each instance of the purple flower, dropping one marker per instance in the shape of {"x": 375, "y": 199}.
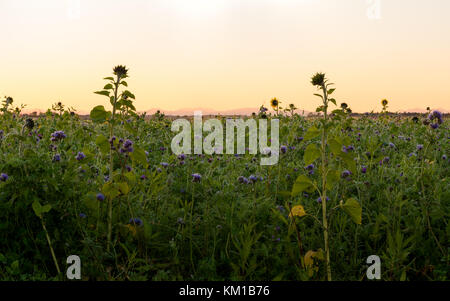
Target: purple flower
{"x": 128, "y": 143}
{"x": 58, "y": 135}
{"x": 136, "y": 221}
{"x": 392, "y": 145}
{"x": 57, "y": 158}
{"x": 419, "y": 147}
{"x": 196, "y": 177}
{"x": 100, "y": 197}
{"x": 310, "y": 167}
{"x": 444, "y": 157}
{"x": 435, "y": 116}
{"x": 363, "y": 169}
{"x": 128, "y": 167}
{"x": 164, "y": 164}
{"x": 82, "y": 215}
{"x": 346, "y": 174}
{"x": 3, "y": 177}
{"x": 182, "y": 157}
{"x": 346, "y": 149}
{"x": 143, "y": 177}
{"x": 253, "y": 178}
{"x": 283, "y": 149}
{"x": 80, "y": 156}
{"x": 319, "y": 200}
{"x": 434, "y": 126}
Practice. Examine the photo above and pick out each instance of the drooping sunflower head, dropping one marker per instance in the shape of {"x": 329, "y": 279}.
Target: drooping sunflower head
{"x": 29, "y": 123}
{"x": 120, "y": 71}
{"x": 384, "y": 102}
{"x": 344, "y": 106}
{"x": 274, "y": 103}
{"x": 318, "y": 79}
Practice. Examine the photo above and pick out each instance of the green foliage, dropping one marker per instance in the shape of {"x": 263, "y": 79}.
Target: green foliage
{"x": 219, "y": 228}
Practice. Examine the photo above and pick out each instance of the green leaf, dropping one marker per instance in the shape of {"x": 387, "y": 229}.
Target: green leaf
{"x": 138, "y": 156}
{"x": 103, "y": 144}
{"x": 335, "y": 146}
{"x": 46, "y": 208}
{"x": 312, "y": 153}
{"x": 128, "y": 94}
{"x": 353, "y": 209}
{"x": 123, "y": 187}
{"x": 318, "y": 95}
{"x": 332, "y": 100}
{"x": 312, "y": 133}
{"x": 349, "y": 161}
{"x": 109, "y": 78}
{"x": 124, "y": 83}
{"x": 37, "y": 208}
{"x": 108, "y": 87}
{"x": 110, "y": 190}
{"x": 99, "y": 114}
{"x": 331, "y": 91}
{"x": 332, "y": 179}
{"x": 104, "y": 93}
{"x": 303, "y": 183}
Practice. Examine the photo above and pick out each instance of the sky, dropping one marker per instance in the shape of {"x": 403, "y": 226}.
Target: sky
{"x": 226, "y": 54}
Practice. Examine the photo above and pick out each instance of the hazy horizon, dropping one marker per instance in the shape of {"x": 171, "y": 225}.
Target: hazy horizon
{"x": 227, "y": 54}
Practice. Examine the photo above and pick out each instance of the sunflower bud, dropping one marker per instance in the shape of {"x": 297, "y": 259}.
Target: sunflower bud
{"x": 29, "y": 123}
{"x": 120, "y": 71}
{"x": 318, "y": 79}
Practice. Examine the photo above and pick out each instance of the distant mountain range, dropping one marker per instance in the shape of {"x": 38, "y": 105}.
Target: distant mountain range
{"x": 208, "y": 111}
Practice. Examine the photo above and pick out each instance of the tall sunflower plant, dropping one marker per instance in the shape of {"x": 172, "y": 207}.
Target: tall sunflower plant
{"x": 119, "y": 181}
{"x": 330, "y": 152}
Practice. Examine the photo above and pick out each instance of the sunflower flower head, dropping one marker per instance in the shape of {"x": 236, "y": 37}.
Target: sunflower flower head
{"x": 274, "y": 103}
{"x": 120, "y": 71}
{"x": 318, "y": 79}
{"x": 384, "y": 102}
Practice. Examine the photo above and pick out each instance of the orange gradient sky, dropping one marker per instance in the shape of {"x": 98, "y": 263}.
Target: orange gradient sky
{"x": 226, "y": 54}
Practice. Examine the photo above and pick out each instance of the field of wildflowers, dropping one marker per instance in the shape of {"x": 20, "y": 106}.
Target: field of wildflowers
{"x": 110, "y": 190}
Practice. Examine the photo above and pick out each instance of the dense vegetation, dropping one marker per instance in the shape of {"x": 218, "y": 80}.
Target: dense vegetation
{"x": 111, "y": 191}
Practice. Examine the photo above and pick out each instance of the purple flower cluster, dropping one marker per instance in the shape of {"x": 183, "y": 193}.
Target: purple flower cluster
{"x": 127, "y": 147}
{"x": 80, "y": 156}
{"x": 346, "y": 174}
{"x": 310, "y": 169}
{"x": 436, "y": 118}
{"x": 58, "y": 135}
{"x": 3, "y": 177}
{"x": 136, "y": 221}
{"x": 196, "y": 177}
{"x": 319, "y": 200}
{"x": 243, "y": 180}
{"x": 347, "y": 149}
{"x": 250, "y": 180}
